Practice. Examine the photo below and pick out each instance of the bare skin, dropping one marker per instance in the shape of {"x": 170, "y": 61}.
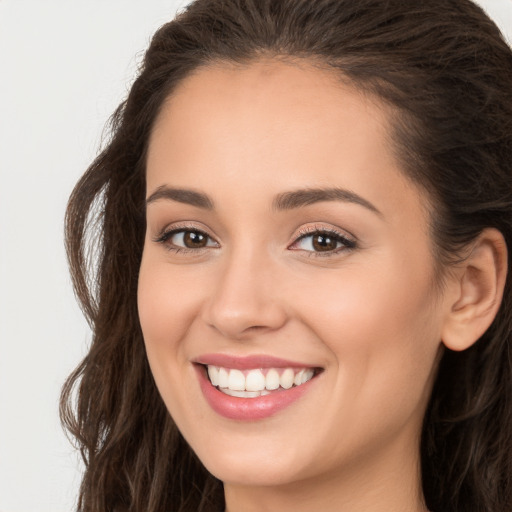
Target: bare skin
{"x": 364, "y": 307}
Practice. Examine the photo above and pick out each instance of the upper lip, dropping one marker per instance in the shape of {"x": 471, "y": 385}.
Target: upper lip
{"x": 248, "y": 362}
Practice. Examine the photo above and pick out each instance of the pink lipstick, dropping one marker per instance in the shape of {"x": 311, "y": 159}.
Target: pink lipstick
{"x": 253, "y": 387}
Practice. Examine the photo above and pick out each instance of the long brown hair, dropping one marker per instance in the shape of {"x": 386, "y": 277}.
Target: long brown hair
{"x": 447, "y": 72}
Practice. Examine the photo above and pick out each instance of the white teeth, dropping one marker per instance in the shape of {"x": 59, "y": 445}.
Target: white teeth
{"x": 255, "y": 383}
{"x": 307, "y": 375}
{"x": 213, "y": 373}
{"x": 272, "y": 380}
{"x": 223, "y": 378}
{"x": 236, "y": 380}
{"x": 286, "y": 379}
{"x": 243, "y": 394}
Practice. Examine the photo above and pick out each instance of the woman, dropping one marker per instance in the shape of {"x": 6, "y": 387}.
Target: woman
{"x": 301, "y": 298}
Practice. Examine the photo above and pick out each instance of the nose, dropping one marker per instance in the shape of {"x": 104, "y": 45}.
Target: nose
{"x": 245, "y": 299}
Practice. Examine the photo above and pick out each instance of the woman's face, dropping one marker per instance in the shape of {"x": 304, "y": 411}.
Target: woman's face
{"x": 284, "y": 247}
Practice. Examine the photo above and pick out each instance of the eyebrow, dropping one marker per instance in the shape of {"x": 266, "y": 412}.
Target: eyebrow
{"x": 305, "y": 197}
{"x": 284, "y": 201}
{"x": 181, "y": 195}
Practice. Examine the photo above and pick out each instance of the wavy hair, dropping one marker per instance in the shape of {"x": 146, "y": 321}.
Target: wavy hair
{"x": 446, "y": 71}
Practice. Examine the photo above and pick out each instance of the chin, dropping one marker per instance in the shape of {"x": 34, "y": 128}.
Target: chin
{"x": 253, "y": 464}
{"x": 253, "y": 473}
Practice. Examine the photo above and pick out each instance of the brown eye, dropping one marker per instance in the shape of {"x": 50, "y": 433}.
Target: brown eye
{"x": 324, "y": 242}
{"x": 179, "y": 239}
{"x": 194, "y": 239}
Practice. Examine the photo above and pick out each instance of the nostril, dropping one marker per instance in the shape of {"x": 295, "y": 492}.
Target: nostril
{"x": 256, "y": 328}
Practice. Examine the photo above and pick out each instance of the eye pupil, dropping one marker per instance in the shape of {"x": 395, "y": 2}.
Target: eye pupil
{"x": 324, "y": 243}
{"x": 193, "y": 239}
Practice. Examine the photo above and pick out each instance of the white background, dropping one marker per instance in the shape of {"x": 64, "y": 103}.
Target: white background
{"x": 64, "y": 67}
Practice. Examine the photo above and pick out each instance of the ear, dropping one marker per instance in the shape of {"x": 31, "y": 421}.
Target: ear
{"x": 476, "y": 287}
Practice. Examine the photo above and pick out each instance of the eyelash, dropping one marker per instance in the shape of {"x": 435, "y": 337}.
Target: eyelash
{"x": 166, "y": 235}
{"x": 338, "y": 237}
{"x": 347, "y": 243}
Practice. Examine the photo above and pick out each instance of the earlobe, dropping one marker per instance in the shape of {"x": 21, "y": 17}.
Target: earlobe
{"x": 478, "y": 285}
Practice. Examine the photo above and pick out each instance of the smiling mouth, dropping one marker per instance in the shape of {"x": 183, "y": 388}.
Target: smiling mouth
{"x": 258, "y": 382}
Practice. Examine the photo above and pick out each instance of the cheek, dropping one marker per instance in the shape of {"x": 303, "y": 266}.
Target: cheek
{"x": 388, "y": 298}
{"x": 383, "y": 333}
{"x": 167, "y": 302}
{"x": 167, "y": 305}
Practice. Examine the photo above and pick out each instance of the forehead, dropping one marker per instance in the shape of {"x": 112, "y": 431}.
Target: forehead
{"x": 256, "y": 79}
{"x": 267, "y": 106}
{"x": 275, "y": 125}
{"x": 299, "y": 88}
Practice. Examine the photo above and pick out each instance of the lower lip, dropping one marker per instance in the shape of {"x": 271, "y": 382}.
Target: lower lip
{"x": 249, "y": 409}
